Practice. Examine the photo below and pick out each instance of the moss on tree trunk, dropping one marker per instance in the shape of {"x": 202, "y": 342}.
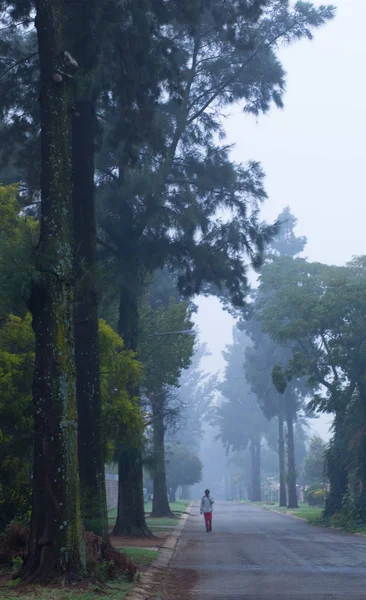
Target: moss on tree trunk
{"x": 91, "y": 461}
{"x": 130, "y": 511}
{"x": 160, "y": 506}
{"x": 337, "y": 466}
{"x": 55, "y": 543}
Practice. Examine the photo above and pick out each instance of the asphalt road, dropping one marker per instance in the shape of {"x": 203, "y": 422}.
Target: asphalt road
{"x": 254, "y": 554}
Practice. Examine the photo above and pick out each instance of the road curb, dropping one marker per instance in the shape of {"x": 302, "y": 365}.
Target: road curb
{"x": 284, "y": 514}
{"x": 162, "y": 561}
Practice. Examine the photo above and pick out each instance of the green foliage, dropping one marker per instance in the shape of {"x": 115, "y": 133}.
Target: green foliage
{"x": 319, "y": 313}
{"x": 120, "y": 413}
{"x": 140, "y": 556}
{"x": 266, "y": 358}
{"x": 164, "y": 357}
{"x": 279, "y": 393}
{"x": 17, "y": 564}
{"x": 315, "y": 461}
{"x": 16, "y": 417}
{"x": 315, "y": 495}
{"x": 18, "y": 237}
{"x": 345, "y": 518}
{"x": 279, "y": 379}
{"x": 121, "y": 416}
{"x": 179, "y": 176}
{"x": 106, "y": 571}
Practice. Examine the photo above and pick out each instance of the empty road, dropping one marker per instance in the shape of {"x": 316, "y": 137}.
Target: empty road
{"x": 254, "y": 554}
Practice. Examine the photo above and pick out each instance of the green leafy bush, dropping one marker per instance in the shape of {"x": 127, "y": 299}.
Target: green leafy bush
{"x": 315, "y": 495}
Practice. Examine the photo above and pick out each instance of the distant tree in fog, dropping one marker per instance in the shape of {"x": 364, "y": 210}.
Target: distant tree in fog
{"x": 315, "y": 461}
{"x": 183, "y": 467}
{"x": 240, "y": 420}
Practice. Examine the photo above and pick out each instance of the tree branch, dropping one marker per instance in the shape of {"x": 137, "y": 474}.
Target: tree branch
{"x": 234, "y": 77}
{"x": 16, "y": 64}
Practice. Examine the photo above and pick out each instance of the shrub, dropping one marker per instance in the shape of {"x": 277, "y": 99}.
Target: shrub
{"x": 14, "y": 544}
{"x": 315, "y": 495}
{"x": 102, "y": 560}
{"x": 345, "y": 519}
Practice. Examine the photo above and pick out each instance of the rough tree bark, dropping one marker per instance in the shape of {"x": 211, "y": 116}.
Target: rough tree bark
{"x": 85, "y": 29}
{"x": 91, "y": 460}
{"x": 337, "y": 467}
{"x": 281, "y": 459}
{"x": 55, "y": 539}
{"x": 131, "y": 510}
{"x": 161, "y": 506}
{"x": 291, "y": 465}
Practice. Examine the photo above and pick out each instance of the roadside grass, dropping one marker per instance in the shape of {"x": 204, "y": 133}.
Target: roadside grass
{"x": 312, "y": 514}
{"x": 309, "y": 513}
{"x": 161, "y": 524}
{"x": 114, "y": 591}
{"x": 143, "y": 557}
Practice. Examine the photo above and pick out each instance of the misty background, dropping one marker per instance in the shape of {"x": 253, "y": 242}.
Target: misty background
{"x": 313, "y": 154}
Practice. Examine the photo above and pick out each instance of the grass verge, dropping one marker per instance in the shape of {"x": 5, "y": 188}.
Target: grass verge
{"x": 161, "y": 524}
{"x": 114, "y": 591}
{"x": 314, "y": 516}
{"x": 309, "y": 513}
{"x": 143, "y": 557}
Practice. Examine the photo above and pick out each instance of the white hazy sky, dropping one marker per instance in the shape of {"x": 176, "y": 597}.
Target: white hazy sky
{"x": 313, "y": 153}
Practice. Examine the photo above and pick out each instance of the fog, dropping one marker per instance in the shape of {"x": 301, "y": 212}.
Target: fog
{"x": 313, "y": 154}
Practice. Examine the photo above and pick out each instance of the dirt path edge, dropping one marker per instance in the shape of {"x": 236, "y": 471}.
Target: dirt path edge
{"x": 165, "y": 555}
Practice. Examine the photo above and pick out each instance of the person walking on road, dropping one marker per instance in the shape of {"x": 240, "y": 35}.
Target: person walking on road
{"x": 207, "y": 508}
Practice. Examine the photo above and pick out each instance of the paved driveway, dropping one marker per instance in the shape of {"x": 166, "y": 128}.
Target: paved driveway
{"x": 254, "y": 554}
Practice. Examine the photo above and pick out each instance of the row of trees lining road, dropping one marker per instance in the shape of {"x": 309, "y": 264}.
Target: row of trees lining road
{"x": 125, "y": 144}
{"x": 320, "y": 313}
{"x": 306, "y": 326}
{"x": 252, "y": 400}
{"x": 240, "y": 421}
{"x": 163, "y": 313}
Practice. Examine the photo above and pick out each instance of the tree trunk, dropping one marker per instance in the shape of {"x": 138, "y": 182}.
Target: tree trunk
{"x": 258, "y": 489}
{"x": 130, "y": 511}
{"x": 281, "y": 458}
{"x": 291, "y": 466}
{"x": 91, "y": 460}
{"x": 336, "y": 467}
{"x": 173, "y": 493}
{"x": 160, "y": 493}
{"x": 55, "y": 538}
{"x": 84, "y": 28}
{"x": 255, "y": 445}
{"x": 360, "y": 508}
